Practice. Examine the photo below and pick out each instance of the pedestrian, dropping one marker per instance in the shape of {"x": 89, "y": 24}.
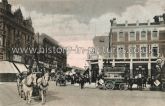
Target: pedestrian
{"x": 82, "y": 81}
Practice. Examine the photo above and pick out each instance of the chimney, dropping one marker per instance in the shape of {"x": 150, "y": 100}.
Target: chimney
{"x": 113, "y": 22}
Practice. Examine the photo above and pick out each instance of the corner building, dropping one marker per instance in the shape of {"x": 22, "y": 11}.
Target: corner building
{"x": 137, "y": 46}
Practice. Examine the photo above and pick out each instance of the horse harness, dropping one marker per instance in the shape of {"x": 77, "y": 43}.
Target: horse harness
{"x": 42, "y": 86}
{"x": 27, "y": 84}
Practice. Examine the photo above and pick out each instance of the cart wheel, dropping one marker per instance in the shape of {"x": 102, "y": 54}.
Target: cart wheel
{"x": 123, "y": 87}
{"x": 110, "y": 85}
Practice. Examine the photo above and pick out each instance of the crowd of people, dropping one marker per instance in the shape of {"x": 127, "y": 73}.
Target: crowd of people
{"x": 76, "y": 78}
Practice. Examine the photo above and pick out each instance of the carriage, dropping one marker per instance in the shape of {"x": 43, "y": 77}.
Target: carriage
{"x": 114, "y": 78}
{"x": 35, "y": 90}
{"x": 61, "y": 80}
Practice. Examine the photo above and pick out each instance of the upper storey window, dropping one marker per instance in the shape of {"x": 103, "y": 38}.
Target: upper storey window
{"x": 132, "y": 36}
{"x": 154, "y": 35}
{"x": 121, "y": 36}
{"x": 143, "y": 35}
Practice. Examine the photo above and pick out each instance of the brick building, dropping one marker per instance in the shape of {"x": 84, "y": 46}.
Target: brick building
{"x": 134, "y": 45}
{"x": 138, "y": 44}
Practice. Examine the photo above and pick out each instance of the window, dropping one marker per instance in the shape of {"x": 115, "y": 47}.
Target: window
{"x": 155, "y": 50}
{"x": 132, "y": 51}
{"x": 1, "y": 41}
{"x": 121, "y": 36}
{"x": 120, "y": 52}
{"x": 132, "y": 36}
{"x": 154, "y": 35}
{"x": 143, "y": 51}
{"x": 143, "y": 35}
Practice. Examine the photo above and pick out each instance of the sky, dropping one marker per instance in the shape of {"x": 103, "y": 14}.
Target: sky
{"x": 74, "y": 23}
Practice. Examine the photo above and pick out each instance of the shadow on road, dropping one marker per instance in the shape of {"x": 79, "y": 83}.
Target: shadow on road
{"x": 52, "y": 96}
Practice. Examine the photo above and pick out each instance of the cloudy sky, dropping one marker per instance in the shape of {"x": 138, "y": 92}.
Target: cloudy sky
{"x": 75, "y": 22}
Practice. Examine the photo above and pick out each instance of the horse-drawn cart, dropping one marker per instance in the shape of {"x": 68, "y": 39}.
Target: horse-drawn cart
{"x": 114, "y": 78}
{"x": 22, "y": 79}
{"x": 61, "y": 80}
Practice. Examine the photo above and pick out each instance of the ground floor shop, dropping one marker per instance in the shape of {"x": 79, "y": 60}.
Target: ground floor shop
{"x": 145, "y": 67}
{"x": 9, "y": 70}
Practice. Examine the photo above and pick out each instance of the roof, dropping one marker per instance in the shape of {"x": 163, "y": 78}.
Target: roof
{"x": 45, "y": 36}
{"x": 7, "y": 67}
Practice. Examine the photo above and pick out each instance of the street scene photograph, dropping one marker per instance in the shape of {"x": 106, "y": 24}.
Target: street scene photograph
{"x": 82, "y": 52}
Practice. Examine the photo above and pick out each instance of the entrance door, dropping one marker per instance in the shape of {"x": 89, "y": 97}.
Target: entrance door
{"x": 94, "y": 72}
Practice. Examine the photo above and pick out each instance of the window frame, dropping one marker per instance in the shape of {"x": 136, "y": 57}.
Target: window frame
{"x": 118, "y": 37}
{"x": 157, "y": 38}
{"x": 119, "y": 53}
{"x": 130, "y": 54}
{"x": 134, "y": 35}
{"x": 145, "y": 35}
{"x": 152, "y": 46}
{"x": 141, "y": 51}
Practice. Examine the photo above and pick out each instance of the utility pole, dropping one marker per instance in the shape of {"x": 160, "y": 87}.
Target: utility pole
{"x": 110, "y": 36}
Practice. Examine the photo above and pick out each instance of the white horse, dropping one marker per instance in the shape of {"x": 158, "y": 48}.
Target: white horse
{"x": 43, "y": 86}
{"x": 28, "y": 84}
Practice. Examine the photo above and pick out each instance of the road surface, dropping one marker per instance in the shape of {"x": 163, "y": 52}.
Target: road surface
{"x": 74, "y": 96}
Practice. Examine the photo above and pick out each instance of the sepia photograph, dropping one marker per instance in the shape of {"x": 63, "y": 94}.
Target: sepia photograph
{"x": 82, "y": 52}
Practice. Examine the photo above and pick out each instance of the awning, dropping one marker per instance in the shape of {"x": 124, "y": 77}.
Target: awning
{"x": 7, "y": 67}
{"x": 21, "y": 67}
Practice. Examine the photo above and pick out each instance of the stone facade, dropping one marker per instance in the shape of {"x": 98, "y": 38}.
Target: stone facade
{"x": 50, "y": 52}
{"x": 15, "y": 32}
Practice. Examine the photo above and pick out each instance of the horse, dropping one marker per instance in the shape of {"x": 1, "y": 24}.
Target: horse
{"x": 43, "y": 86}
{"x": 27, "y": 86}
